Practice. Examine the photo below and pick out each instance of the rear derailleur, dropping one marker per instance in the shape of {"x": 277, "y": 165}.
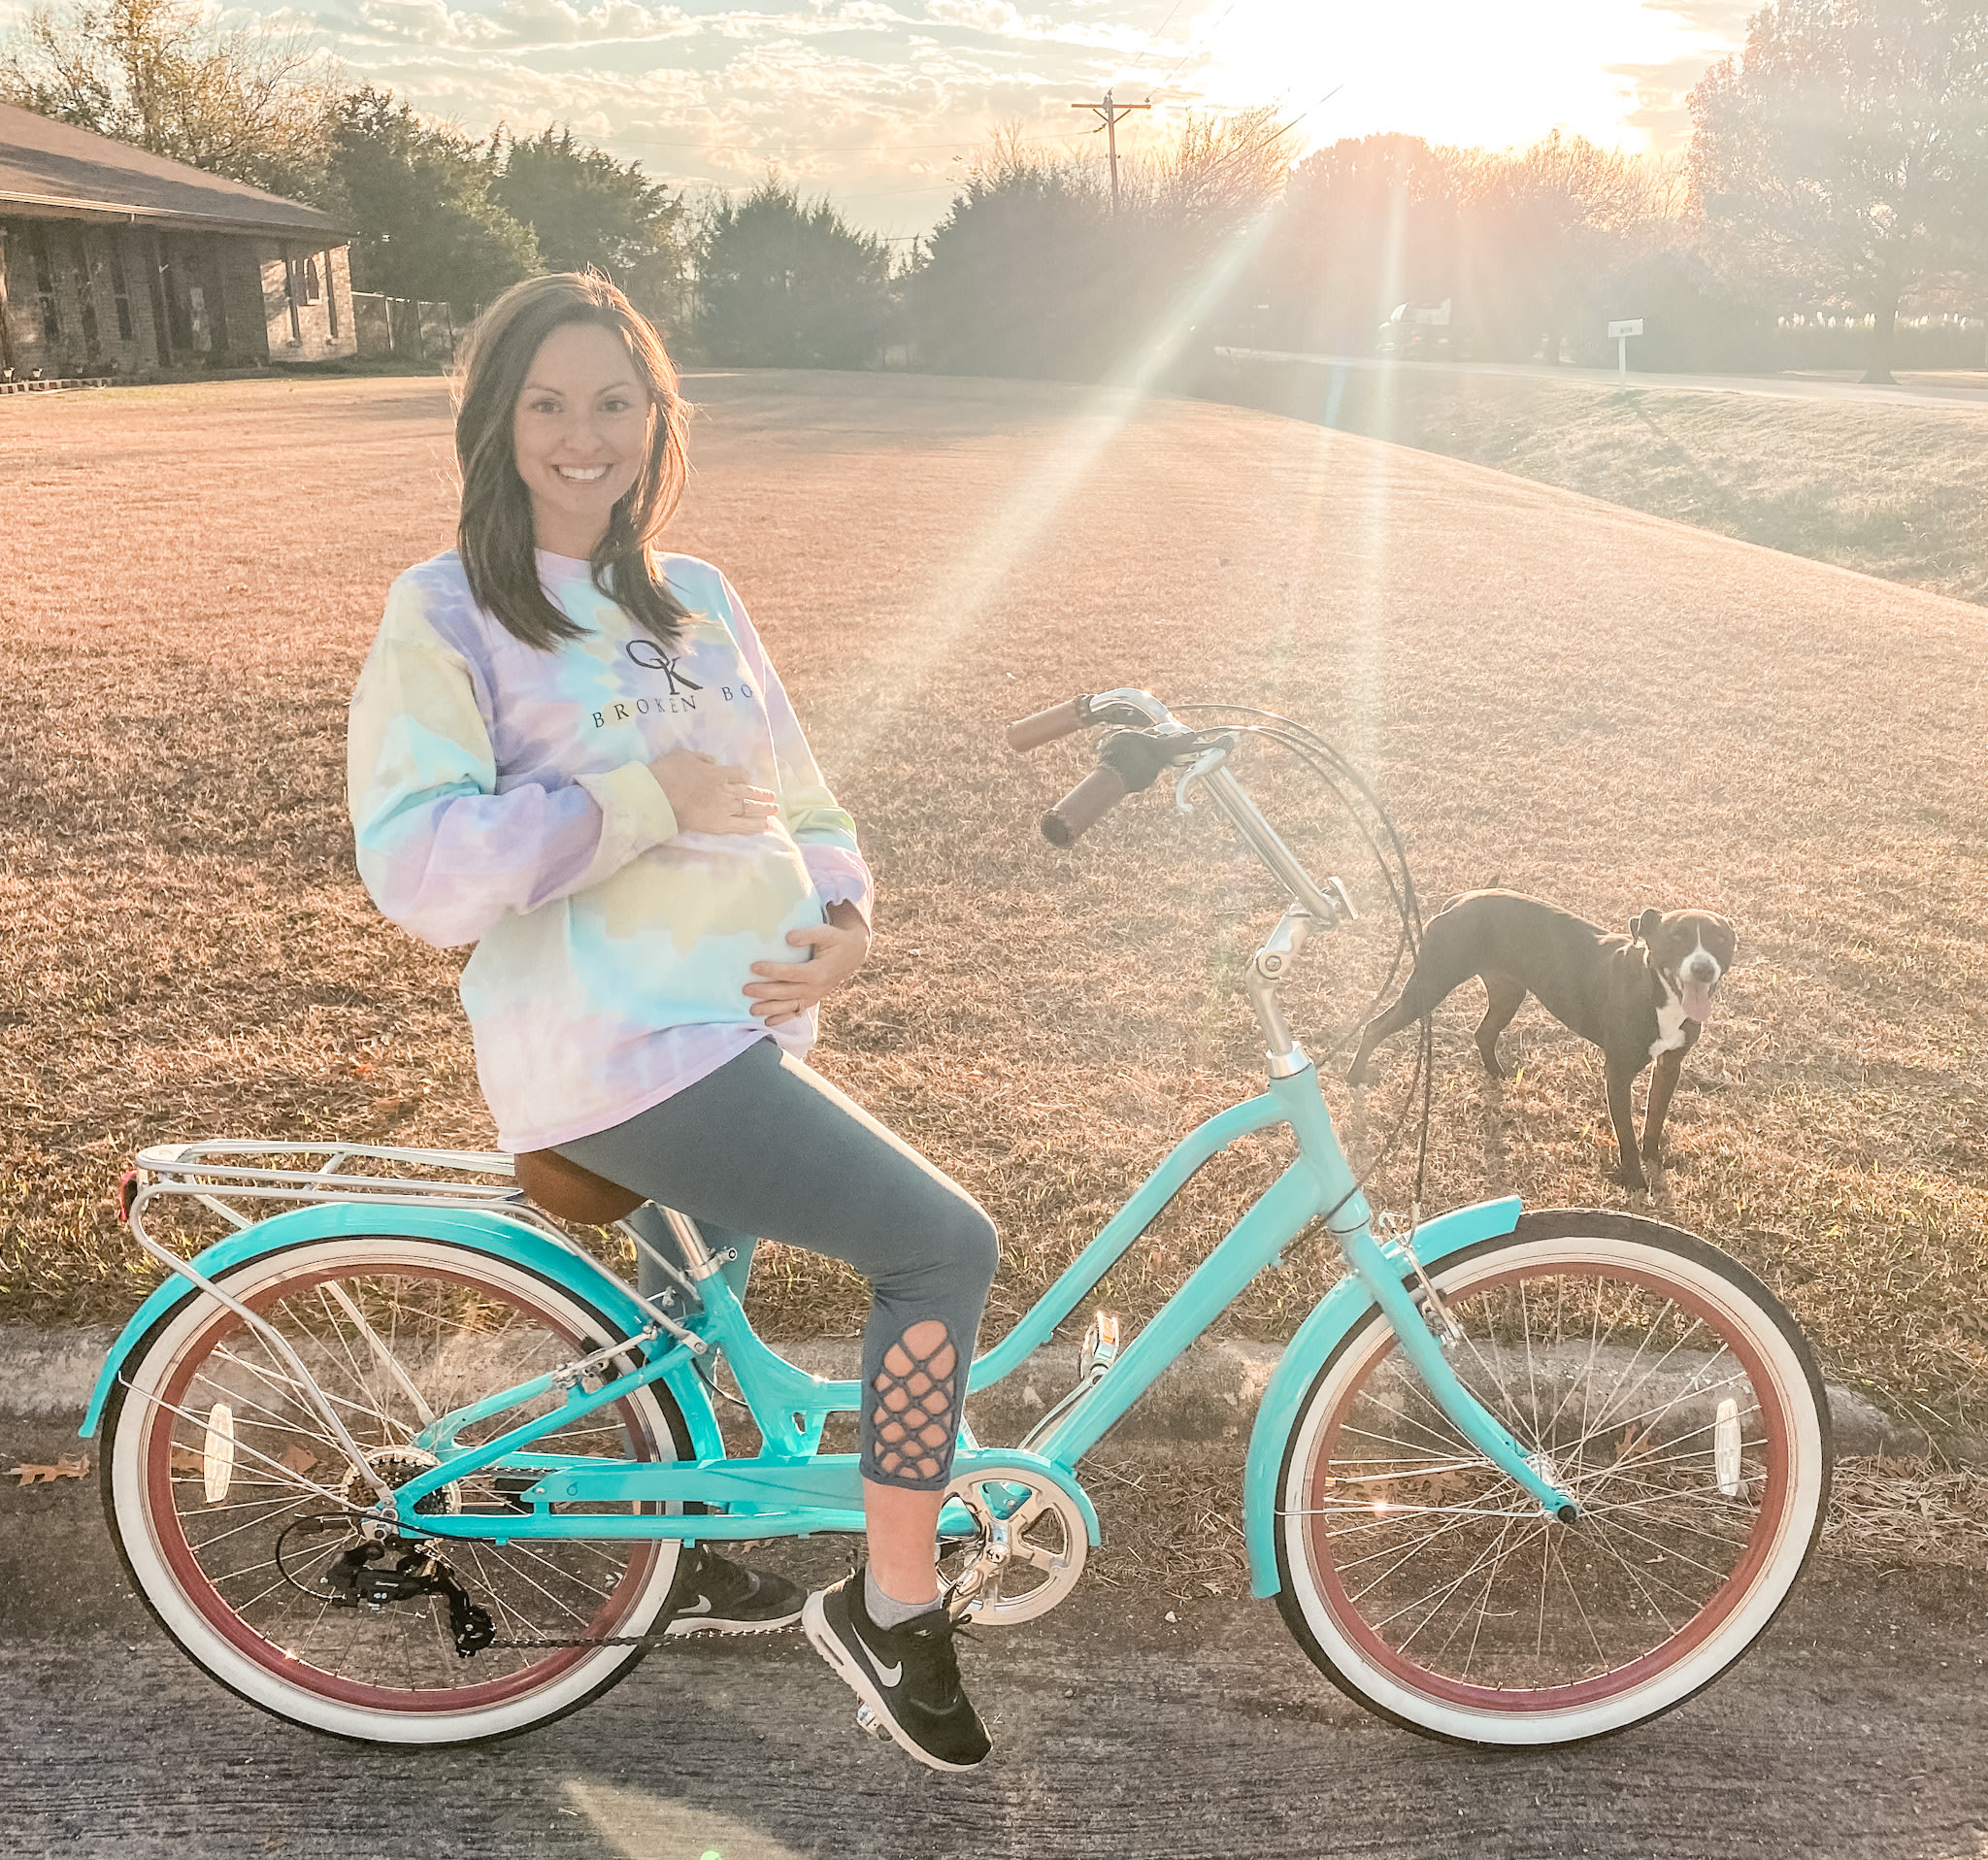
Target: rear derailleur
{"x": 357, "y": 1577}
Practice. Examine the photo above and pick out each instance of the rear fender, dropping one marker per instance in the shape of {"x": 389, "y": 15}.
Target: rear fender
{"x": 479, "y": 1230}
{"x": 1332, "y": 1319}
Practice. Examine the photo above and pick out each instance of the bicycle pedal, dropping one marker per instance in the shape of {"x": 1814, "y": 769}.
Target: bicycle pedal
{"x": 868, "y": 1721}
{"x": 1100, "y": 1346}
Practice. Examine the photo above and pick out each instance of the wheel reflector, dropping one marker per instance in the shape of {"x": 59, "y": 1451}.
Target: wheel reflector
{"x": 218, "y": 1452}
{"x": 1726, "y": 1448}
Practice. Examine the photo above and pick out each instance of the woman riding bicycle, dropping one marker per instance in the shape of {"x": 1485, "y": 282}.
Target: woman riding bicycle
{"x": 572, "y": 752}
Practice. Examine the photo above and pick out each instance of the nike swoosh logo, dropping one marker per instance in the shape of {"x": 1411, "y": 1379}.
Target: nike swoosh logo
{"x": 702, "y": 1605}
{"x": 890, "y": 1675}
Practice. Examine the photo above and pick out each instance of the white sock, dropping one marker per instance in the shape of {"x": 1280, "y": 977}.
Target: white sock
{"x": 887, "y": 1611}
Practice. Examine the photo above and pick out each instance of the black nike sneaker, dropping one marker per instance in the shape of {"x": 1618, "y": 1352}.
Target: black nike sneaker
{"x": 907, "y": 1677}
{"x": 712, "y": 1595}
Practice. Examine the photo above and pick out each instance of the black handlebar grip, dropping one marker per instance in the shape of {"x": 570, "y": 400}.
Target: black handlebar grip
{"x": 1084, "y": 807}
{"x": 1046, "y": 726}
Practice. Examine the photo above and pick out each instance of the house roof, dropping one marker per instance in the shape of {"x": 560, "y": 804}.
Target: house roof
{"x": 51, "y": 170}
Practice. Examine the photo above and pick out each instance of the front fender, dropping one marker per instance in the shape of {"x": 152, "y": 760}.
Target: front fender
{"x": 479, "y": 1230}
{"x": 1332, "y": 1318}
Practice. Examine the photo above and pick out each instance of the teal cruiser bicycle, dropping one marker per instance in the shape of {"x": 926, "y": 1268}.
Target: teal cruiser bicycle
{"x": 402, "y": 1463}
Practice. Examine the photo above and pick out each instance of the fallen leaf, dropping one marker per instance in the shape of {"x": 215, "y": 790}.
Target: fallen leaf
{"x": 299, "y": 1459}
{"x": 189, "y": 1459}
{"x": 64, "y": 1468}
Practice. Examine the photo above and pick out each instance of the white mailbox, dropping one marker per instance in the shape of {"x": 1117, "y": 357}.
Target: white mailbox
{"x": 1619, "y": 334}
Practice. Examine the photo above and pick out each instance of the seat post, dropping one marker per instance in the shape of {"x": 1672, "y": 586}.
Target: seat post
{"x": 699, "y": 1261}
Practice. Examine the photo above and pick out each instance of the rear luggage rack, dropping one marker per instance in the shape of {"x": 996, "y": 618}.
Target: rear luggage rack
{"x": 221, "y": 1172}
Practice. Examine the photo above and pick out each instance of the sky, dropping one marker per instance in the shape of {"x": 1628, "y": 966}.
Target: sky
{"x": 882, "y": 103}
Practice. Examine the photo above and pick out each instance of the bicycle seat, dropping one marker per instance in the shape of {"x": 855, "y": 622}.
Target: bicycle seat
{"x": 568, "y": 1192}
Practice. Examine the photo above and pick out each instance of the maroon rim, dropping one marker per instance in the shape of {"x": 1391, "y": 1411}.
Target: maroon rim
{"x": 1679, "y": 1647}
{"x": 198, "y": 1589}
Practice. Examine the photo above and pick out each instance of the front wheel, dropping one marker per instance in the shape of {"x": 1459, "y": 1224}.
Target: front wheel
{"x": 231, "y": 1501}
{"x": 1661, "y": 1384}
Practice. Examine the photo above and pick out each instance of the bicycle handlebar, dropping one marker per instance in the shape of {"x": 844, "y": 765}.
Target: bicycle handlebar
{"x": 1046, "y": 726}
{"x": 1106, "y": 786}
{"x": 1084, "y": 807}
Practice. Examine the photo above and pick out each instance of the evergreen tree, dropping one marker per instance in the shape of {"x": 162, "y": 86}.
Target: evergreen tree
{"x": 419, "y": 198}
{"x": 783, "y": 282}
{"x": 585, "y": 209}
{"x": 1025, "y": 276}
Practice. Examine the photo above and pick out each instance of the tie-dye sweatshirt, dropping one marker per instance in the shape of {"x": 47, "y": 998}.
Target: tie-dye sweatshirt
{"x": 502, "y": 795}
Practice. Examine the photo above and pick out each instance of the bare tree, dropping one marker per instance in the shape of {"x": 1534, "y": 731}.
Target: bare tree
{"x": 1845, "y": 153}
{"x": 1219, "y": 169}
{"x": 1539, "y": 229}
{"x": 249, "y": 102}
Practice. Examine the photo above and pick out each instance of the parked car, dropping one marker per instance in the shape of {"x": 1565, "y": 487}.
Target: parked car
{"x": 1421, "y": 331}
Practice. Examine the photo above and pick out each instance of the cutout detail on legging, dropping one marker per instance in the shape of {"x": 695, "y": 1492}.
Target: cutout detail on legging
{"x": 912, "y": 1424}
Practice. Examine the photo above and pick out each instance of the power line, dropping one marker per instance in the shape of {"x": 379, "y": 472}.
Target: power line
{"x": 1190, "y": 52}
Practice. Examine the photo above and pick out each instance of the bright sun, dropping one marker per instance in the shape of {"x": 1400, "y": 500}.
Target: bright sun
{"x": 1482, "y": 72}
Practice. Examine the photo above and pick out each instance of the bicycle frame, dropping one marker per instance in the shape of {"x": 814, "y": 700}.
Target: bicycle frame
{"x": 790, "y": 1488}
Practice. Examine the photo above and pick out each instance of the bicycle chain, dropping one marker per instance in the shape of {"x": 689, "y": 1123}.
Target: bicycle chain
{"x": 584, "y": 1640}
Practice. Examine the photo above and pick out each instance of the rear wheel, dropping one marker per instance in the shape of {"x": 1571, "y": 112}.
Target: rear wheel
{"x": 218, "y": 1470}
{"x": 1665, "y": 1388}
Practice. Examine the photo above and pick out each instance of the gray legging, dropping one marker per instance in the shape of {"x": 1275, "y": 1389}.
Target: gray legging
{"x": 766, "y": 1147}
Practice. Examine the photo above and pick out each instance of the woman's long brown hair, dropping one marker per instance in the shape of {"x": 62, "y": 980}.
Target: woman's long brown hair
{"x": 494, "y": 533}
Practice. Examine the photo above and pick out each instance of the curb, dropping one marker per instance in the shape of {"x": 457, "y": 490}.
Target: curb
{"x": 1210, "y": 1393}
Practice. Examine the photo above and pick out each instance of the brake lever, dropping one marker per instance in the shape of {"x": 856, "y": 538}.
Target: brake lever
{"x": 1210, "y": 759}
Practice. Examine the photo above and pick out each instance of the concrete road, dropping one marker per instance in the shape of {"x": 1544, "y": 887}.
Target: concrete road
{"x": 1933, "y": 388}
{"x": 1859, "y": 1727}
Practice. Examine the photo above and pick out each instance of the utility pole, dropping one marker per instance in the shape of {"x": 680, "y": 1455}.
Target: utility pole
{"x": 1108, "y": 114}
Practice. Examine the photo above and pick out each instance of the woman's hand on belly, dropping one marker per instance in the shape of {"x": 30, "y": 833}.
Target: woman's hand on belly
{"x": 710, "y": 796}
{"x": 790, "y": 988}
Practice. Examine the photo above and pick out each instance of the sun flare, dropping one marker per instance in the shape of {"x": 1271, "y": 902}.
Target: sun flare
{"x": 1458, "y": 71}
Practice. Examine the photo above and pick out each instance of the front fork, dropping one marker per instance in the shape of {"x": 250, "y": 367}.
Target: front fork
{"x": 1294, "y": 1081}
{"x": 1381, "y": 1275}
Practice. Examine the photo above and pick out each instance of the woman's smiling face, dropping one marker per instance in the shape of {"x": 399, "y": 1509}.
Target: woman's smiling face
{"x": 580, "y": 435}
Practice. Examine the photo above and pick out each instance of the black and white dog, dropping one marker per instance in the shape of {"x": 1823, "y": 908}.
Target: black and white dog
{"x": 1641, "y": 998}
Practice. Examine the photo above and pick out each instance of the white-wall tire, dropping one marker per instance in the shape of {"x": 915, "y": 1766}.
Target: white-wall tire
{"x": 1345, "y": 1574}
{"x": 167, "y": 1575}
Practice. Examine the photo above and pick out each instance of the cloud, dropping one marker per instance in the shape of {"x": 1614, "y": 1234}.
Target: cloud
{"x": 985, "y": 16}
{"x": 880, "y": 100}
{"x": 527, "y": 23}
{"x": 517, "y": 23}
{"x": 1722, "y": 20}
{"x": 1661, "y": 94}
{"x": 998, "y": 19}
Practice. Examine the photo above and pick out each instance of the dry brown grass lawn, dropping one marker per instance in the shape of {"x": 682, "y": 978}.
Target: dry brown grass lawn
{"x": 1885, "y": 488}
{"x": 1588, "y": 702}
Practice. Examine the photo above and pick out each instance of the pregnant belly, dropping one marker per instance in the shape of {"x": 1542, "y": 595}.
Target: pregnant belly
{"x": 704, "y": 889}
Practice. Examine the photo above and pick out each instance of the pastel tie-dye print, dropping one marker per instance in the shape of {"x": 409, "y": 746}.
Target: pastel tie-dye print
{"x": 501, "y": 795}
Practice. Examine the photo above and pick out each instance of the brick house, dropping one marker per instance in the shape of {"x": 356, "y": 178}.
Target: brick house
{"x": 117, "y": 261}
